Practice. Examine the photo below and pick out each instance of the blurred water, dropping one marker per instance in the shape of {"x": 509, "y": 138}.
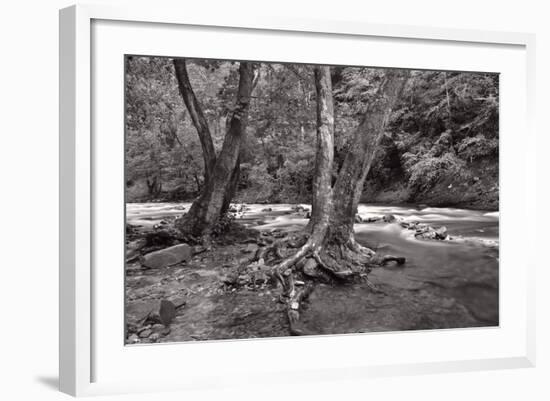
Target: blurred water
{"x": 458, "y": 277}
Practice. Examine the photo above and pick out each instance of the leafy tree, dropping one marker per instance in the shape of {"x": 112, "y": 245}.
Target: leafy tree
{"x": 221, "y": 171}
{"x": 443, "y": 130}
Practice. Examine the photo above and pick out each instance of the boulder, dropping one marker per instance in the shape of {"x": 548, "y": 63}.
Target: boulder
{"x": 441, "y": 232}
{"x": 167, "y": 257}
{"x": 358, "y": 219}
{"x": 267, "y": 209}
{"x": 167, "y": 312}
{"x": 389, "y": 218}
{"x": 425, "y": 234}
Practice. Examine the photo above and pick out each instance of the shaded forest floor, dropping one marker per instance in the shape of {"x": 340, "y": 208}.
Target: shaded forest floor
{"x": 219, "y": 294}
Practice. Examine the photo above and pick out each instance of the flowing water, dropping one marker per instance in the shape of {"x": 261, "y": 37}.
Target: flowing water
{"x": 443, "y": 284}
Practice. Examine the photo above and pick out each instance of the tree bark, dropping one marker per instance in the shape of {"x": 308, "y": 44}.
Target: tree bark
{"x": 232, "y": 188}
{"x": 330, "y": 249}
{"x": 349, "y": 184}
{"x": 322, "y": 191}
{"x": 206, "y": 210}
{"x": 322, "y": 187}
{"x": 197, "y": 116}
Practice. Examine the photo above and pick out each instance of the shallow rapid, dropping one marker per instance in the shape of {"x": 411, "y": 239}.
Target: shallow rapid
{"x": 443, "y": 284}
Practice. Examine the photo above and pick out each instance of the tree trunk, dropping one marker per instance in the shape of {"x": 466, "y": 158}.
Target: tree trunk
{"x": 197, "y": 116}
{"x": 318, "y": 226}
{"x": 349, "y": 184}
{"x": 329, "y": 250}
{"x": 206, "y": 210}
{"x": 232, "y": 188}
{"x": 154, "y": 187}
{"x": 322, "y": 188}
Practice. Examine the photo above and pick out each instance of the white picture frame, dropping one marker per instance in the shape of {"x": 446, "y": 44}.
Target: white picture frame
{"x": 79, "y": 344}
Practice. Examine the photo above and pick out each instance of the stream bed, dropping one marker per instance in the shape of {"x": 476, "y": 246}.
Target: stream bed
{"x": 443, "y": 284}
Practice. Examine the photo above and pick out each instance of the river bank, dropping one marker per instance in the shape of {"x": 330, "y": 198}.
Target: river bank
{"x": 443, "y": 284}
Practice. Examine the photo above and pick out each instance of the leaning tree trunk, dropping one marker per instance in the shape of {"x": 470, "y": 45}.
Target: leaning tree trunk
{"x": 197, "y": 116}
{"x": 349, "y": 184}
{"x": 334, "y": 209}
{"x": 236, "y": 175}
{"x": 206, "y": 210}
{"x": 232, "y": 188}
{"x": 330, "y": 249}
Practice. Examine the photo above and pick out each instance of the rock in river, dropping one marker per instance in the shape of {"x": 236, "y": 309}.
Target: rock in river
{"x": 167, "y": 257}
{"x": 441, "y": 232}
{"x": 389, "y": 218}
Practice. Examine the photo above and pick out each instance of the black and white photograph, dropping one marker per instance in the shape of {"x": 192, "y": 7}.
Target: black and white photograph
{"x": 267, "y": 199}
{"x": 303, "y": 200}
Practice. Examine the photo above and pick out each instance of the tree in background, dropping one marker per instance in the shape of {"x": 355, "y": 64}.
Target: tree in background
{"x": 440, "y": 145}
{"x": 442, "y": 141}
{"x": 163, "y": 155}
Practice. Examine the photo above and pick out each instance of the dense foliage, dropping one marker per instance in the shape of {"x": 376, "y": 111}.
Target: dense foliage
{"x": 441, "y": 146}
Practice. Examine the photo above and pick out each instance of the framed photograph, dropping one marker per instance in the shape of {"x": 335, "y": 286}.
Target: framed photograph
{"x": 290, "y": 200}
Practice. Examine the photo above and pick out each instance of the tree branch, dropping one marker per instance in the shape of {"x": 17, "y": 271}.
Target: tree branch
{"x": 197, "y": 116}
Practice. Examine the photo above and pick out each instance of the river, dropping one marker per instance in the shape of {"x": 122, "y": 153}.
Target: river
{"x": 443, "y": 284}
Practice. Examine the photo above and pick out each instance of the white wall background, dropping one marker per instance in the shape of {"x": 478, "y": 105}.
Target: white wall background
{"x": 29, "y": 200}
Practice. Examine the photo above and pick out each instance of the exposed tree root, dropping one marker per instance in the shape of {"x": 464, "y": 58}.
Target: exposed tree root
{"x": 299, "y": 261}
{"x": 326, "y": 262}
{"x": 293, "y": 311}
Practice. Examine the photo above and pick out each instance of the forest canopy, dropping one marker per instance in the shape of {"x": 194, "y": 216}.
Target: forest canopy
{"x": 440, "y": 145}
